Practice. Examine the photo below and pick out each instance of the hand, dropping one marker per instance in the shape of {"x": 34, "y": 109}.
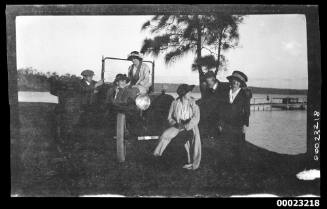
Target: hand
{"x": 180, "y": 126}
{"x": 220, "y": 129}
{"x": 99, "y": 83}
{"x": 244, "y": 129}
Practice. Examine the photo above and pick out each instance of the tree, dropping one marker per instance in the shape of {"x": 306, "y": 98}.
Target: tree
{"x": 222, "y": 35}
{"x": 178, "y": 35}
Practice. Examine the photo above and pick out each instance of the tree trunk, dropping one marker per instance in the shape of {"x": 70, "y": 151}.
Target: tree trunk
{"x": 219, "y": 51}
{"x": 199, "y": 55}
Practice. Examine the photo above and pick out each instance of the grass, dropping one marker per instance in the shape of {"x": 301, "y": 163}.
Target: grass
{"x": 87, "y": 165}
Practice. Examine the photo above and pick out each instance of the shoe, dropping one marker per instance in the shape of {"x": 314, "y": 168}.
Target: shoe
{"x": 156, "y": 155}
{"x": 188, "y": 166}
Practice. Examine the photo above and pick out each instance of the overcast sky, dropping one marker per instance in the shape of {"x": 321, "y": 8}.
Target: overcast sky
{"x": 272, "y": 51}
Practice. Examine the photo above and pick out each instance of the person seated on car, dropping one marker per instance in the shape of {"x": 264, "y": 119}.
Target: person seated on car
{"x": 124, "y": 94}
{"x": 138, "y": 73}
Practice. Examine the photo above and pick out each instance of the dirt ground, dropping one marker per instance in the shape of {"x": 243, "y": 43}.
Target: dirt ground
{"x": 86, "y": 164}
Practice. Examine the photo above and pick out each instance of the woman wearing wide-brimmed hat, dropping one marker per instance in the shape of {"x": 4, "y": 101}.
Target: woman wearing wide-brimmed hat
{"x": 184, "y": 116}
{"x": 139, "y": 73}
{"x": 235, "y": 112}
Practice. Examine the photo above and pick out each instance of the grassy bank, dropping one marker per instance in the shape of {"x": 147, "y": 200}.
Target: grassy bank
{"x": 87, "y": 165}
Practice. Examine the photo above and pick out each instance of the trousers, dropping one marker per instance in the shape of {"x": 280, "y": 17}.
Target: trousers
{"x": 192, "y": 146}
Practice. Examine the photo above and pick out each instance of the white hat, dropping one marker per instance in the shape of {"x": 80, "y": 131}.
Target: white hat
{"x": 135, "y": 54}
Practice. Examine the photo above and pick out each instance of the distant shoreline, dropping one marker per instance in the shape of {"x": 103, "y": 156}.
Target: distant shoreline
{"x": 44, "y": 86}
{"x": 171, "y": 88}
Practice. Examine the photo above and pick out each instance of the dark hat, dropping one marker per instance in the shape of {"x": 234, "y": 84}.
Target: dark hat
{"x": 135, "y": 54}
{"x": 184, "y": 88}
{"x": 87, "y": 73}
{"x": 240, "y": 76}
{"x": 210, "y": 74}
{"x": 121, "y": 77}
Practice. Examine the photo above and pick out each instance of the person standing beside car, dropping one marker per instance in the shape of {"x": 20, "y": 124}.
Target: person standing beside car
{"x": 209, "y": 105}
{"x": 88, "y": 90}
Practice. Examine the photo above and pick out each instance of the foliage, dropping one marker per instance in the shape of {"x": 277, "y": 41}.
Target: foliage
{"x": 177, "y": 35}
{"x": 30, "y": 79}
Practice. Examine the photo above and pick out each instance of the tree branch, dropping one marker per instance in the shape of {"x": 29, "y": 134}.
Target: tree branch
{"x": 208, "y": 49}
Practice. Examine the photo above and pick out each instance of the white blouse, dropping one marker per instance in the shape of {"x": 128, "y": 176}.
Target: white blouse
{"x": 233, "y": 95}
{"x": 183, "y": 110}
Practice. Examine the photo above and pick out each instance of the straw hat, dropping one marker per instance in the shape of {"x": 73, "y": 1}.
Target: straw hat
{"x": 135, "y": 54}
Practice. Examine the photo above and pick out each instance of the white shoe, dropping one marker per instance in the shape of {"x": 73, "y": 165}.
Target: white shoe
{"x": 188, "y": 166}
{"x": 156, "y": 154}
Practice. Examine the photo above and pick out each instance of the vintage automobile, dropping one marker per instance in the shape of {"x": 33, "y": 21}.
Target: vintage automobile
{"x": 143, "y": 119}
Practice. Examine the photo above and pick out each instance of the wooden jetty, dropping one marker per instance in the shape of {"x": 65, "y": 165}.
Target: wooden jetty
{"x": 286, "y": 103}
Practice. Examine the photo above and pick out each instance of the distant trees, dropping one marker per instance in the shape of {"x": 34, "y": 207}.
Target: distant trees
{"x": 177, "y": 35}
{"x": 29, "y": 79}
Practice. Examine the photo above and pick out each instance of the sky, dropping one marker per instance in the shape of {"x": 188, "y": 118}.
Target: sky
{"x": 272, "y": 49}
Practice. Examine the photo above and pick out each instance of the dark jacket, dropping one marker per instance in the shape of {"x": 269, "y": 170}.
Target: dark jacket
{"x": 209, "y": 106}
{"x": 236, "y": 114}
{"x": 218, "y": 93}
{"x": 125, "y": 96}
{"x": 110, "y": 95}
{"x": 87, "y": 92}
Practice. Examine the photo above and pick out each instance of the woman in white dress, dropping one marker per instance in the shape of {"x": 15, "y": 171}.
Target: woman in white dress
{"x": 184, "y": 116}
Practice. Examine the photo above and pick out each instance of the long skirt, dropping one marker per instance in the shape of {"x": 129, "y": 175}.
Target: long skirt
{"x": 236, "y": 141}
{"x": 192, "y": 145}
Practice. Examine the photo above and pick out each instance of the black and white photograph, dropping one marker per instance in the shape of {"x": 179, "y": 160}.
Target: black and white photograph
{"x": 164, "y": 101}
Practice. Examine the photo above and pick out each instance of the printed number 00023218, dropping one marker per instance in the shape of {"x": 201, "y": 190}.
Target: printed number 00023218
{"x": 298, "y": 203}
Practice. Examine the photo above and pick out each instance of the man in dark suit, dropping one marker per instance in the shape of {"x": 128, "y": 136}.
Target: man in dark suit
{"x": 209, "y": 105}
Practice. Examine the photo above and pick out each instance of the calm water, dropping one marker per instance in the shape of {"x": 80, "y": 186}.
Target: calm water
{"x": 278, "y": 131}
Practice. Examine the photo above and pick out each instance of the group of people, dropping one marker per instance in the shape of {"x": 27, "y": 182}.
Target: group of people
{"x": 224, "y": 111}
{"x": 125, "y": 87}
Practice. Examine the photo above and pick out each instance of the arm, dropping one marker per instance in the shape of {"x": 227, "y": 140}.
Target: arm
{"x": 87, "y": 88}
{"x": 195, "y": 119}
{"x": 170, "y": 114}
{"x": 246, "y": 110}
{"x": 110, "y": 95}
{"x": 144, "y": 79}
